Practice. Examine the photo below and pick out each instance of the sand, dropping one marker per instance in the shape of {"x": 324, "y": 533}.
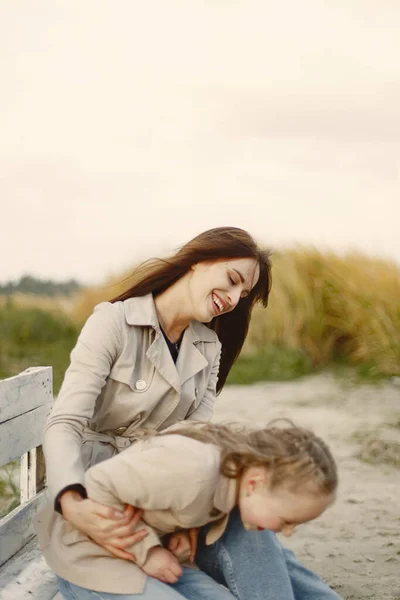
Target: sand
{"x": 355, "y": 545}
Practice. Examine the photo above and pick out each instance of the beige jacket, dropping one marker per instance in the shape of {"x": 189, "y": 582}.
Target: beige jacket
{"x": 121, "y": 379}
{"x": 174, "y": 479}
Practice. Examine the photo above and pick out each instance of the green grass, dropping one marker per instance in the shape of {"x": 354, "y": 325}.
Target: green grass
{"x": 9, "y": 491}
{"x": 366, "y": 372}
{"x": 281, "y": 364}
{"x": 338, "y": 313}
{"x": 273, "y": 364}
{"x": 34, "y": 337}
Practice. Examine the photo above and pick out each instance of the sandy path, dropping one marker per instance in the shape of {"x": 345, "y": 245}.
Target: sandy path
{"x": 355, "y": 545}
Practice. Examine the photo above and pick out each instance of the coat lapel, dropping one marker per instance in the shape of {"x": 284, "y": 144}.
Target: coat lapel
{"x": 141, "y": 311}
{"x": 159, "y": 354}
{"x": 190, "y": 359}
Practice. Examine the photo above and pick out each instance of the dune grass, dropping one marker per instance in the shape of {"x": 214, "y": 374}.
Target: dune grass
{"x": 325, "y": 312}
{"x": 333, "y": 308}
{"x": 32, "y": 336}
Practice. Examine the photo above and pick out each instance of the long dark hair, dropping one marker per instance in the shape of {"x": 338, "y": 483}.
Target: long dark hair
{"x": 156, "y": 275}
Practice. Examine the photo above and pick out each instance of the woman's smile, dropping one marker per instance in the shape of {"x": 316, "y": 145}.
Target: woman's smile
{"x": 218, "y": 304}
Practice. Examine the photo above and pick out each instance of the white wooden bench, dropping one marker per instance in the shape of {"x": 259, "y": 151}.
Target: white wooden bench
{"x": 25, "y": 402}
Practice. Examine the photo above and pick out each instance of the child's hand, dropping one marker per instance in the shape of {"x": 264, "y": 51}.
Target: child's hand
{"x": 162, "y": 565}
{"x": 183, "y": 544}
{"x": 179, "y": 545}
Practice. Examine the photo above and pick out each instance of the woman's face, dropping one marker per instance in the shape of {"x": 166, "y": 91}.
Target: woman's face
{"x": 215, "y": 287}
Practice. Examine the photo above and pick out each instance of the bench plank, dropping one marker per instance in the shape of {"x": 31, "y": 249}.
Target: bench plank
{"x": 22, "y": 433}
{"x": 33, "y": 473}
{"x": 16, "y": 528}
{"x": 24, "y": 392}
{"x": 27, "y": 576}
{"x": 25, "y": 402}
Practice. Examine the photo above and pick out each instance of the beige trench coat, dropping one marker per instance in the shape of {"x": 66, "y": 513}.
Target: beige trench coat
{"x": 122, "y": 378}
{"x": 174, "y": 479}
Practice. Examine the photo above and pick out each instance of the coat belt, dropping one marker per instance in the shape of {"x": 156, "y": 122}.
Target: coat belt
{"x": 118, "y": 442}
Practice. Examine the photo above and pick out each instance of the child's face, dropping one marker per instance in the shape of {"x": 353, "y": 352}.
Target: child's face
{"x": 279, "y": 509}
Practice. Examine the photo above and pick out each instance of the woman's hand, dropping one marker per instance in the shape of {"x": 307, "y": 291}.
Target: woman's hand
{"x": 107, "y": 526}
{"x": 183, "y": 544}
{"x": 162, "y": 565}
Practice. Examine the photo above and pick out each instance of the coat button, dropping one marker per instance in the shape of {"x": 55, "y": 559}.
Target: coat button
{"x": 196, "y": 391}
{"x": 121, "y": 429}
{"x": 140, "y": 384}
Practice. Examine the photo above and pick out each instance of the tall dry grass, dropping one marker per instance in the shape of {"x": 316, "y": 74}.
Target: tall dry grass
{"x": 332, "y": 306}
{"x": 53, "y": 304}
{"x": 325, "y": 305}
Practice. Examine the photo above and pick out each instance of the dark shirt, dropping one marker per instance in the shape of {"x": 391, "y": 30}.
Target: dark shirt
{"x": 173, "y": 347}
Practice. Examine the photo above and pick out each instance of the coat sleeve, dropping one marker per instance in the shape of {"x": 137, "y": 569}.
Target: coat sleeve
{"x": 152, "y": 477}
{"x": 205, "y": 410}
{"x": 98, "y": 346}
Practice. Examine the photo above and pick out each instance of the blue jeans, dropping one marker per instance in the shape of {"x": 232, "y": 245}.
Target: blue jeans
{"x": 253, "y": 565}
{"x": 192, "y": 585}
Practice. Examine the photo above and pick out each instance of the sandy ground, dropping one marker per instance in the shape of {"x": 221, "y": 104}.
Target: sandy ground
{"x": 355, "y": 545}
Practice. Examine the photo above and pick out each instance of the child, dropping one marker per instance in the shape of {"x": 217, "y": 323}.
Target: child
{"x": 187, "y": 477}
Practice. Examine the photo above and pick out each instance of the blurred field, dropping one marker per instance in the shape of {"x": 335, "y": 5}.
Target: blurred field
{"x": 53, "y": 304}
{"x": 333, "y": 308}
{"x": 35, "y": 336}
{"x": 9, "y": 487}
{"x": 325, "y": 311}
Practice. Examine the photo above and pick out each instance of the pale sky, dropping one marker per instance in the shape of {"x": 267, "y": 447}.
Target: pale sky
{"x": 128, "y": 127}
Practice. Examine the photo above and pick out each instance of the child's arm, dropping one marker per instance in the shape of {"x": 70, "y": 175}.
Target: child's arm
{"x": 158, "y": 477}
{"x": 104, "y": 482}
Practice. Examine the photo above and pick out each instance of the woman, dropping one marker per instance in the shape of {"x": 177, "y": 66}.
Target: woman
{"x": 155, "y": 356}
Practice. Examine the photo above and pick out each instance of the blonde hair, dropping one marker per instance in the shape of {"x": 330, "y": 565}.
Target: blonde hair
{"x": 294, "y": 456}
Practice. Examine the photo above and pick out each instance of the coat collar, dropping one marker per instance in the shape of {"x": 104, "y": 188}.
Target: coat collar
{"x": 225, "y": 499}
{"x": 141, "y": 311}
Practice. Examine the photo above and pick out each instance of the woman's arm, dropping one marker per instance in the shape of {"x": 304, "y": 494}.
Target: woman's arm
{"x": 112, "y": 529}
{"x": 97, "y": 348}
